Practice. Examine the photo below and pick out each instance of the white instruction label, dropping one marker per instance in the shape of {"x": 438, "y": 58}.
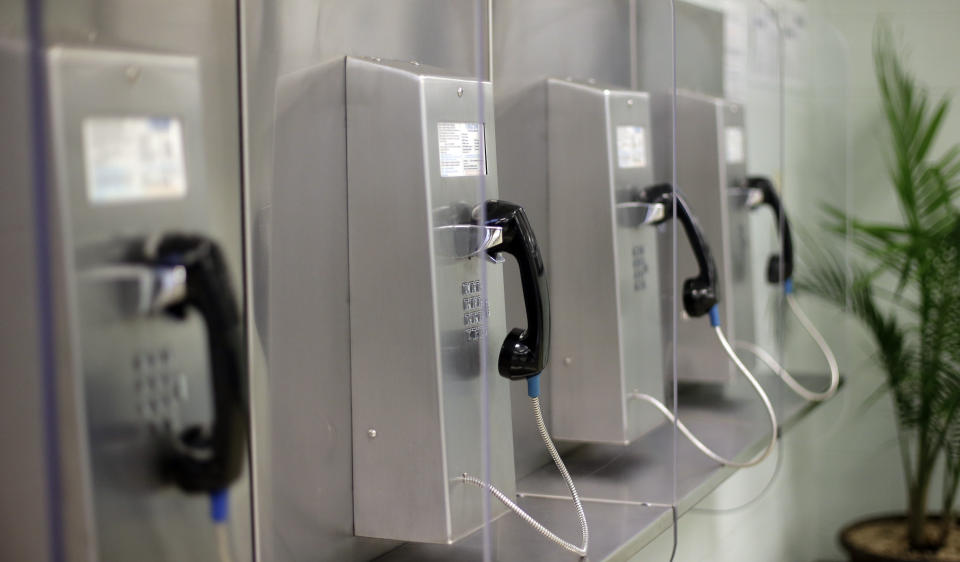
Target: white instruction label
{"x": 735, "y": 149}
{"x": 133, "y": 159}
{"x": 631, "y": 147}
{"x": 461, "y": 149}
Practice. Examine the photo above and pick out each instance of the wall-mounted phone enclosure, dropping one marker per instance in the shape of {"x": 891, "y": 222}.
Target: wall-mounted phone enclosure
{"x": 711, "y": 154}
{"x": 129, "y": 163}
{"x": 608, "y": 331}
{"x": 421, "y": 157}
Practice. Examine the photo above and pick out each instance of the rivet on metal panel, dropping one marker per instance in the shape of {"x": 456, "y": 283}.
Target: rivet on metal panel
{"x": 630, "y": 103}
{"x": 372, "y": 433}
{"x": 568, "y": 360}
{"x": 459, "y": 92}
{"x": 132, "y": 73}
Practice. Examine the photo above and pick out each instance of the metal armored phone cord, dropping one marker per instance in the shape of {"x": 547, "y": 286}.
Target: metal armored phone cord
{"x": 533, "y": 391}
{"x": 816, "y": 336}
{"x": 715, "y": 322}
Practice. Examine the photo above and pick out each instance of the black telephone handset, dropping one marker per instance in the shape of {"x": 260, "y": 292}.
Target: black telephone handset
{"x": 700, "y": 292}
{"x": 202, "y": 460}
{"x": 524, "y": 352}
{"x": 784, "y": 259}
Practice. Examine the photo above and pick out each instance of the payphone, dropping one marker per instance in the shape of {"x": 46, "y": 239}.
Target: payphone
{"x": 609, "y": 332}
{"x": 612, "y": 347}
{"x": 759, "y": 191}
{"x": 155, "y": 328}
{"x": 710, "y": 158}
{"x": 711, "y": 152}
{"x": 427, "y": 235}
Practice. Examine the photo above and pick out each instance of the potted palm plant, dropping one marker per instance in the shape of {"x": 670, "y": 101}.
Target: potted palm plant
{"x": 903, "y": 285}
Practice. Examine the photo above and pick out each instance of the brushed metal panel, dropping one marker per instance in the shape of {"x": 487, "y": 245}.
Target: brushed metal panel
{"x": 608, "y": 330}
{"x": 416, "y": 376}
{"x": 533, "y": 40}
{"x": 308, "y": 317}
{"x": 699, "y": 43}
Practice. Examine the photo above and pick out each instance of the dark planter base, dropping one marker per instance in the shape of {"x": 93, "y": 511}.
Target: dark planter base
{"x": 895, "y": 526}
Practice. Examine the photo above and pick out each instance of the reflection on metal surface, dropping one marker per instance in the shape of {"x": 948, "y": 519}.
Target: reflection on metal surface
{"x": 154, "y": 287}
{"x": 636, "y": 214}
{"x": 463, "y": 241}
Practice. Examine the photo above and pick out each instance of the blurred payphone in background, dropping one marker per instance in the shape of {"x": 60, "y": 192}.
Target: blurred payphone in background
{"x": 604, "y": 271}
{"x": 155, "y": 328}
{"x": 711, "y": 174}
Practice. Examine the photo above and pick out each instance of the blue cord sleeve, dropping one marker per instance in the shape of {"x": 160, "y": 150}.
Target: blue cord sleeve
{"x": 219, "y": 506}
{"x": 533, "y": 386}
{"x": 714, "y": 316}
{"x": 788, "y": 286}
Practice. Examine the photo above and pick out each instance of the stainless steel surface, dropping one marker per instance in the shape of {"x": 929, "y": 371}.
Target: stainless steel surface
{"x": 641, "y": 213}
{"x": 154, "y": 288}
{"x": 608, "y": 331}
{"x": 300, "y": 278}
{"x": 416, "y": 369}
{"x": 627, "y": 489}
{"x": 699, "y": 43}
{"x": 534, "y": 40}
{"x": 707, "y": 166}
{"x": 462, "y": 241}
{"x": 296, "y": 203}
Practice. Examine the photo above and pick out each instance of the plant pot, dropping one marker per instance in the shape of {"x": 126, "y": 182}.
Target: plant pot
{"x": 884, "y": 539}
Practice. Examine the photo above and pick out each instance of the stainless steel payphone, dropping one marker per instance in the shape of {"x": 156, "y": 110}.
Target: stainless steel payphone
{"x": 155, "y": 328}
{"x": 711, "y": 169}
{"x": 427, "y": 319}
{"x": 710, "y": 164}
{"x": 389, "y": 170}
{"x": 609, "y": 333}
{"x": 613, "y": 322}
{"x": 423, "y": 302}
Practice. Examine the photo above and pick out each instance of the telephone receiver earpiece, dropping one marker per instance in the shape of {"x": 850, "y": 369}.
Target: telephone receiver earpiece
{"x": 524, "y": 352}
{"x": 207, "y": 459}
{"x": 782, "y": 262}
{"x": 699, "y": 292}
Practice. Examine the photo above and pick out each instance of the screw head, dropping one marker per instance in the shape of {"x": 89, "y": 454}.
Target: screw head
{"x": 459, "y": 92}
{"x": 132, "y": 73}
{"x": 372, "y": 433}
